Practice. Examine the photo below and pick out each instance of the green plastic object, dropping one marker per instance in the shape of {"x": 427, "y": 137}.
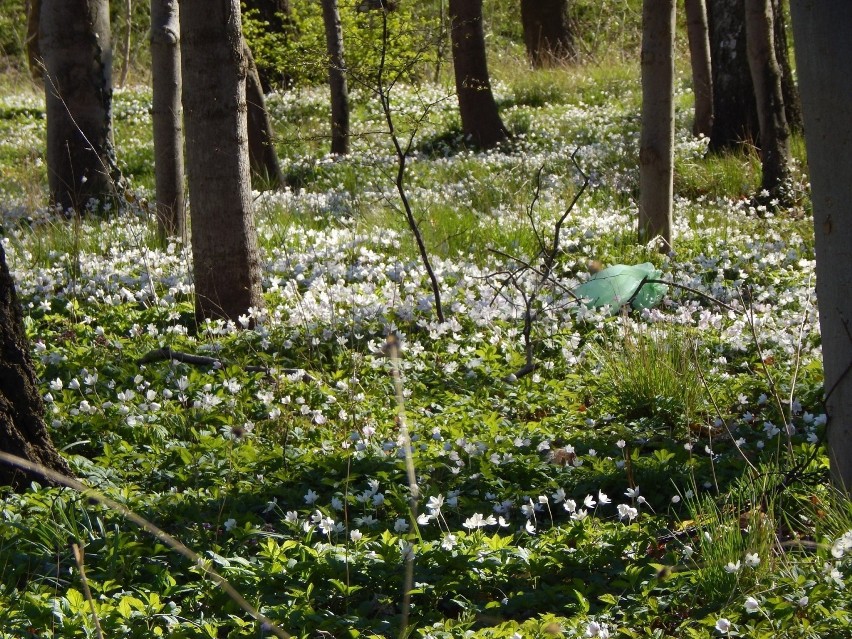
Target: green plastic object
{"x": 621, "y": 284}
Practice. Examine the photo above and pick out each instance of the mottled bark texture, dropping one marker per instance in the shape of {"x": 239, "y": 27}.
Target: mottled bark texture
{"x": 547, "y": 32}
{"x": 766, "y": 77}
{"x": 167, "y": 117}
{"x": 226, "y": 265}
{"x": 702, "y": 72}
{"x": 22, "y": 429}
{"x": 656, "y": 141}
{"x": 823, "y": 33}
{"x": 734, "y": 110}
{"x": 792, "y": 101}
{"x": 74, "y": 38}
{"x": 336, "y": 78}
{"x": 480, "y": 120}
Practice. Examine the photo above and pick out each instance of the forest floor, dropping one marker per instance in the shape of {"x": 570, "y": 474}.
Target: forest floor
{"x": 659, "y": 474}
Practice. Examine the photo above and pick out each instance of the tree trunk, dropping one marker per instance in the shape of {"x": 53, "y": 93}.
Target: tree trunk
{"x": 125, "y": 44}
{"x": 336, "y": 78}
{"x": 547, "y": 32}
{"x": 167, "y": 117}
{"x": 226, "y": 265}
{"x": 22, "y": 429}
{"x": 74, "y": 38}
{"x": 656, "y": 143}
{"x": 792, "y": 101}
{"x": 33, "y": 50}
{"x": 823, "y": 35}
{"x": 734, "y": 110}
{"x": 766, "y": 77}
{"x": 265, "y": 168}
{"x": 702, "y": 73}
{"x": 480, "y": 120}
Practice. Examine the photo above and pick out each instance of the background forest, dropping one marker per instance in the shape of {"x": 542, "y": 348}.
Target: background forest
{"x": 556, "y": 448}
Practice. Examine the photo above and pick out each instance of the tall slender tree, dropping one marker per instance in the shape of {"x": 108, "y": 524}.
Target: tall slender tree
{"x": 74, "y": 38}
{"x": 766, "y": 77}
{"x": 167, "y": 118}
{"x": 263, "y": 159}
{"x": 226, "y": 265}
{"x": 336, "y": 78}
{"x": 656, "y": 142}
{"x": 480, "y": 119}
{"x": 547, "y": 32}
{"x": 823, "y": 34}
{"x": 22, "y": 428}
{"x": 698, "y": 33}
{"x": 792, "y": 101}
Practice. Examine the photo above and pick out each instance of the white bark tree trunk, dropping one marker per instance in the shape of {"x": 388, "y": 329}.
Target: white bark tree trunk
{"x": 656, "y": 143}
{"x": 823, "y": 36}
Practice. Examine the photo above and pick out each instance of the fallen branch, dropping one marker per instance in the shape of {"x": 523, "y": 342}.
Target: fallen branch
{"x": 166, "y": 354}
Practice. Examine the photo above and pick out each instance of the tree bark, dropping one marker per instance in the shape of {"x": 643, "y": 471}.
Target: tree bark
{"x": 336, "y": 78}
{"x": 265, "y": 169}
{"x": 74, "y": 38}
{"x": 702, "y": 72}
{"x": 480, "y": 119}
{"x": 766, "y": 77}
{"x": 167, "y": 117}
{"x": 823, "y": 35}
{"x": 792, "y": 101}
{"x": 34, "y": 60}
{"x": 656, "y": 143}
{"x": 547, "y": 32}
{"x": 125, "y": 43}
{"x": 734, "y": 110}
{"x": 22, "y": 429}
{"x": 226, "y": 265}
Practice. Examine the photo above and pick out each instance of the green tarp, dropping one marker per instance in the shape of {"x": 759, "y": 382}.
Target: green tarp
{"x": 621, "y": 284}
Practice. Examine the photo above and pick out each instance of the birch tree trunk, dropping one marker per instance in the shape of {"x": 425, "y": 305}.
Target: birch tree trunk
{"x": 22, "y": 429}
{"x": 226, "y": 265}
{"x": 480, "y": 119}
{"x": 656, "y": 143}
{"x": 702, "y": 73}
{"x": 823, "y": 34}
{"x": 74, "y": 38}
{"x": 167, "y": 118}
{"x": 336, "y": 78}
{"x": 766, "y": 77}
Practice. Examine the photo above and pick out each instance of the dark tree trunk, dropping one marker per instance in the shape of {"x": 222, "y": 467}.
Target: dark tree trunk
{"x": 656, "y": 142}
{"x": 167, "y": 117}
{"x": 265, "y": 168}
{"x": 766, "y": 76}
{"x": 22, "y": 429}
{"x": 226, "y": 265}
{"x": 734, "y": 110}
{"x": 336, "y": 78}
{"x": 278, "y": 17}
{"x": 74, "y": 38}
{"x": 702, "y": 70}
{"x": 792, "y": 101}
{"x": 480, "y": 119}
{"x": 547, "y": 32}
{"x": 33, "y": 50}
